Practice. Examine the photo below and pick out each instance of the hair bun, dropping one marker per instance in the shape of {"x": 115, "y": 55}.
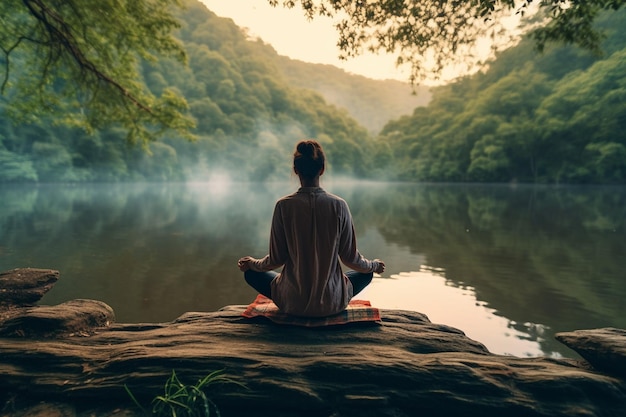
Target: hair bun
{"x": 309, "y": 159}
{"x": 306, "y": 148}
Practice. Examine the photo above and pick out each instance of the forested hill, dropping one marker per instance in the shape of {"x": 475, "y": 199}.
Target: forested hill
{"x": 373, "y": 103}
{"x": 557, "y": 117}
{"x": 249, "y": 117}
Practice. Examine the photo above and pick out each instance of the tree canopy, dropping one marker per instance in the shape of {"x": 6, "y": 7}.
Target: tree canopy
{"x": 53, "y": 49}
{"x": 429, "y": 35}
{"x": 248, "y": 117}
{"x": 557, "y": 118}
{"x": 78, "y": 62}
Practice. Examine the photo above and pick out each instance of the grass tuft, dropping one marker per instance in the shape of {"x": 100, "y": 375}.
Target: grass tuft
{"x": 182, "y": 400}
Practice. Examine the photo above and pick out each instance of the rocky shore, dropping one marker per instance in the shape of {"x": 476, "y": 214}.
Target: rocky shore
{"x": 73, "y": 359}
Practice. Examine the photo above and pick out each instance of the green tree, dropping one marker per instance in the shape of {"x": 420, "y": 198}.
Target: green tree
{"x": 16, "y": 168}
{"x": 523, "y": 119}
{"x": 607, "y": 161}
{"x": 585, "y": 107}
{"x": 248, "y": 119}
{"x": 52, "y": 162}
{"x": 489, "y": 160}
{"x": 78, "y": 62}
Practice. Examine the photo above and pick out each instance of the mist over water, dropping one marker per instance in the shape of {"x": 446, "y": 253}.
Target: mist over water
{"x": 509, "y": 266}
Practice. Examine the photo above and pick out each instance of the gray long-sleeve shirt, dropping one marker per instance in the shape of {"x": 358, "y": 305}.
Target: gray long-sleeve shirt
{"x": 311, "y": 231}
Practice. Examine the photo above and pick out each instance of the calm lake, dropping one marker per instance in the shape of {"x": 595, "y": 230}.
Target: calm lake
{"x": 508, "y": 265}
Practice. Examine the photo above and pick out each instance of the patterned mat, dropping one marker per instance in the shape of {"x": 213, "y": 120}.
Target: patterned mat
{"x": 357, "y": 311}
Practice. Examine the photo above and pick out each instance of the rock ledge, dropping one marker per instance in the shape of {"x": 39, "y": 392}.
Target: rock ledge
{"x": 407, "y": 366}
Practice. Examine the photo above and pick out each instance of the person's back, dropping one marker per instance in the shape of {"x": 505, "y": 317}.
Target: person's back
{"x": 311, "y": 231}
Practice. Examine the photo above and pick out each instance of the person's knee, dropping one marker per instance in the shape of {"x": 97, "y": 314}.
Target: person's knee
{"x": 260, "y": 281}
{"x": 250, "y": 276}
{"x": 247, "y": 275}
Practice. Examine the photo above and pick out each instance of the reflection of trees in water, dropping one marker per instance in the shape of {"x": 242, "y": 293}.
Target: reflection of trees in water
{"x": 551, "y": 255}
{"x": 145, "y": 242}
{"x": 545, "y": 255}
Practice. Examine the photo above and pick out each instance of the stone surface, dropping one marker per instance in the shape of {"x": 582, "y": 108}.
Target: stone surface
{"x": 604, "y": 349}
{"x": 405, "y": 366}
{"x": 70, "y": 318}
{"x": 25, "y": 286}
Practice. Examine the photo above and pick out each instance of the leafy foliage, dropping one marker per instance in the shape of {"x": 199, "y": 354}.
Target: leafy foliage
{"x": 558, "y": 117}
{"x": 447, "y": 32}
{"x": 248, "y": 117}
{"x": 371, "y": 102}
{"x": 77, "y": 63}
{"x": 554, "y": 117}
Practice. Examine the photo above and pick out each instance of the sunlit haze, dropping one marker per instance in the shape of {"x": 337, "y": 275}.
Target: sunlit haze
{"x": 292, "y": 35}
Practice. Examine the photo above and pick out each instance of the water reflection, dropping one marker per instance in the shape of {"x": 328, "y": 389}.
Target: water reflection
{"x": 508, "y": 265}
{"x": 457, "y": 306}
{"x": 543, "y": 255}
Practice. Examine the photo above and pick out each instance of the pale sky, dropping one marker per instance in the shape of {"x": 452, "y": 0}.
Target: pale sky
{"x": 291, "y": 34}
